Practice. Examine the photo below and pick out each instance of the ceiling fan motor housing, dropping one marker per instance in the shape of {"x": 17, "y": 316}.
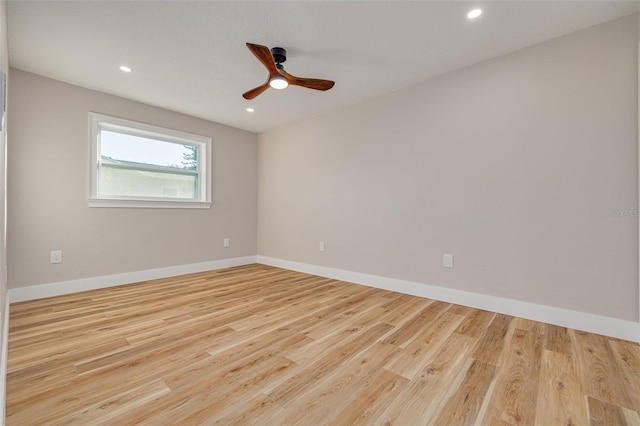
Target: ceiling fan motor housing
{"x": 279, "y": 54}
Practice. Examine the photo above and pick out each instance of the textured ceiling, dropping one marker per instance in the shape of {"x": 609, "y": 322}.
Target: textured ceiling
{"x": 190, "y": 56}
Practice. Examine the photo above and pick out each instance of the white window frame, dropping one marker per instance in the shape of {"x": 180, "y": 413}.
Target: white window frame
{"x": 99, "y": 122}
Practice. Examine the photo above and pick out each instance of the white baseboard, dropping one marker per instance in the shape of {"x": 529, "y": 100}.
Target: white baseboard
{"x": 3, "y": 361}
{"x": 607, "y": 326}
{"x": 40, "y": 291}
{"x": 613, "y": 327}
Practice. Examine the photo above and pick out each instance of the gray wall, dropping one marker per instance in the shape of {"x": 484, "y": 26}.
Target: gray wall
{"x": 48, "y": 189}
{"x": 4, "y": 67}
{"x": 512, "y": 165}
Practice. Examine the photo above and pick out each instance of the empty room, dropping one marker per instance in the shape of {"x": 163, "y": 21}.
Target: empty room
{"x": 319, "y": 212}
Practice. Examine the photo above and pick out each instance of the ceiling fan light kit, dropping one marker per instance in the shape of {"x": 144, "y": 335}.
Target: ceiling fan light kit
{"x": 278, "y": 82}
{"x": 278, "y": 77}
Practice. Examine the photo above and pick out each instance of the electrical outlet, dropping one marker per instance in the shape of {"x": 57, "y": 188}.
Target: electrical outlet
{"x": 55, "y": 256}
{"x": 226, "y": 242}
{"x": 321, "y": 246}
{"x": 448, "y": 261}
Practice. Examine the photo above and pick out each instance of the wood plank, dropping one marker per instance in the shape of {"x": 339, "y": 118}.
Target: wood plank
{"x": 602, "y": 379}
{"x": 557, "y": 339}
{"x": 475, "y": 323}
{"x": 428, "y": 340}
{"x": 257, "y": 411}
{"x": 422, "y": 399}
{"x": 514, "y": 395}
{"x": 402, "y": 308}
{"x": 333, "y": 392}
{"x": 602, "y": 413}
{"x": 530, "y": 325}
{"x": 464, "y": 405}
{"x": 405, "y": 333}
{"x": 274, "y": 344}
{"x": 173, "y": 337}
{"x": 382, "y": 388}
{"x": 491, "y": 344}
{"x": 113, "y": 406}
{"x": 361, "y": 315}
{"x": 218, "y": 392}
{"x": 632, "y": 417}
{"x": 628, "y": 359}
{"x": 341, "y": 329}
{"x": 340, "y": 354}
{"x": 560, "y": 399}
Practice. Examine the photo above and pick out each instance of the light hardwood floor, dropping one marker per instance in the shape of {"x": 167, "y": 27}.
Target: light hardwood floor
{"x": 267, "y": 346}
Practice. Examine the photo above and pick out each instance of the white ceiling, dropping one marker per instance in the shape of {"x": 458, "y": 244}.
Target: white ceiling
{"x": 190, "y": 56}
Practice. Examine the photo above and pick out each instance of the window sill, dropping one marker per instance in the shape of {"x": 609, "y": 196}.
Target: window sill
{"x": 146, "y": 204}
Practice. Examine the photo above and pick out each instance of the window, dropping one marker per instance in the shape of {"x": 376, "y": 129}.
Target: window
{"x": 139, "y": 165}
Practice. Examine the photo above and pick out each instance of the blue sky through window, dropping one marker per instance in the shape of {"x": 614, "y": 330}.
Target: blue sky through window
{"x": 138, "y": 149}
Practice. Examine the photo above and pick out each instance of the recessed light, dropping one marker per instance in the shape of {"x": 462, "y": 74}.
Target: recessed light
{"x": 250, "y": 109}
{"x": 125, "y": 68}
{"x": 474, "y": 13}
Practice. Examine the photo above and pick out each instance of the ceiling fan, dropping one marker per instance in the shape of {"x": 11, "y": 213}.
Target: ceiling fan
{"x": 278, "y": 77}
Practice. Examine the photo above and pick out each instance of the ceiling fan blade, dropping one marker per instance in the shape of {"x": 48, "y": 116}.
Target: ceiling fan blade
{"x": 256, "y": 91}
{"x": 309, "y": 83}
{"x": 263, "y": 53}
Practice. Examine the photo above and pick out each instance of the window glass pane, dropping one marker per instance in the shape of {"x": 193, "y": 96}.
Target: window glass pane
{"x": 116, "y": 181}
{"x": 141, "y": 150}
